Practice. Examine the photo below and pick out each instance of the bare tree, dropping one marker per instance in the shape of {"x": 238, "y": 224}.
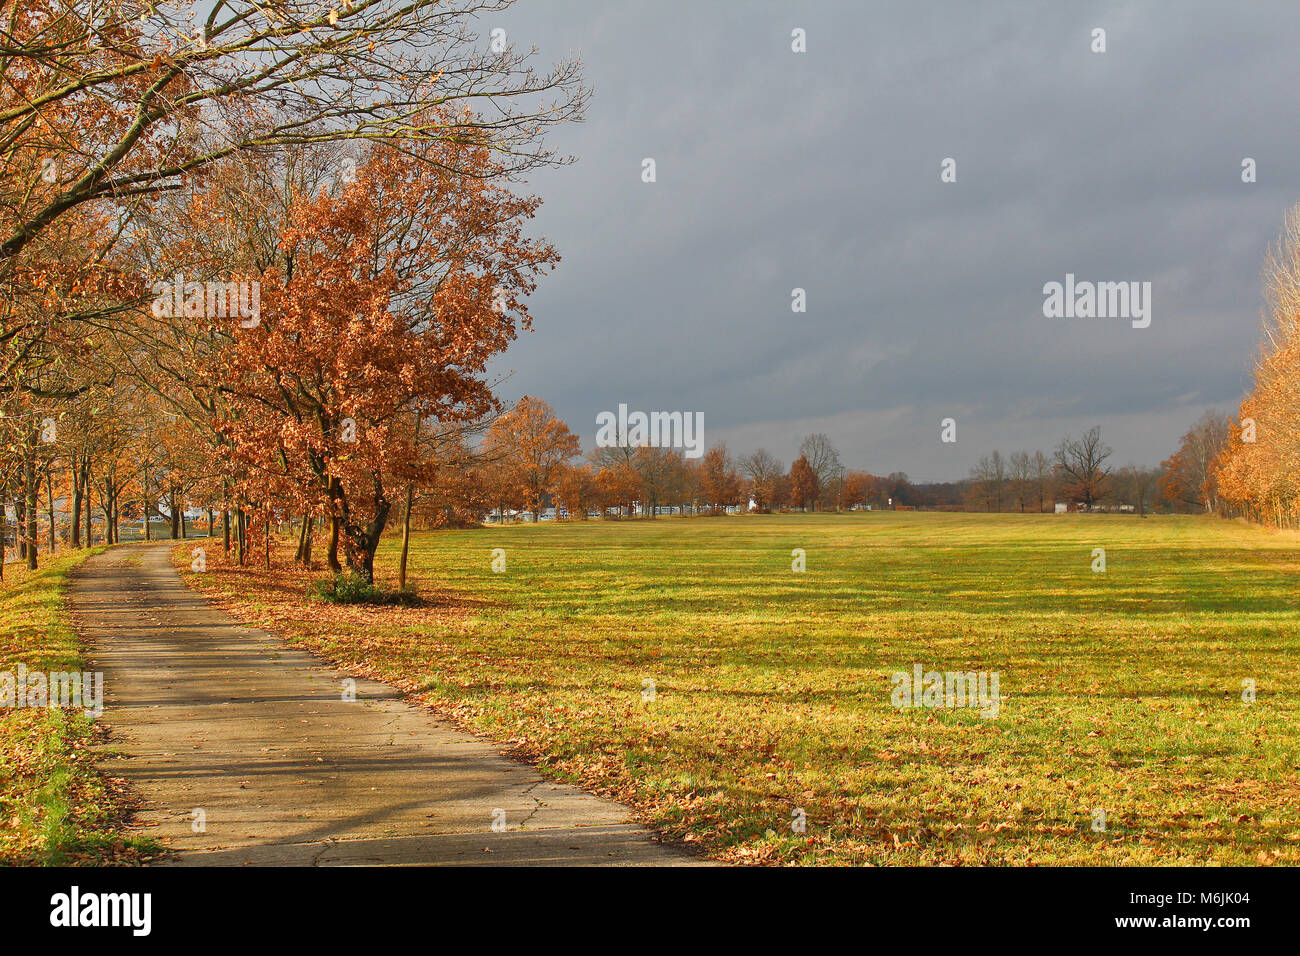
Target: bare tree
{"x": 1082, "y": 463}
{"x": 1136, "y": 486}
{"x": 989, "y": 478}
{"x": 824, "y": 459}
{"x": 1042, "y": 472}
{"x": 1020, "y": 473}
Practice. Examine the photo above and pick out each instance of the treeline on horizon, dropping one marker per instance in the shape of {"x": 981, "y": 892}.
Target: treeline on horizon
{"x": 528, "y": 468}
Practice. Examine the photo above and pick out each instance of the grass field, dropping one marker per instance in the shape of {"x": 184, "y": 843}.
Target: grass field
{"x": 1121, "y": 691}
{"x": 56, "y": 807}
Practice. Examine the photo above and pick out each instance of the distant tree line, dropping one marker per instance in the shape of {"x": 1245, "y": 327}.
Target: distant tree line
{"x": 532, "y": 464}
{"x": 1076, "y": 473}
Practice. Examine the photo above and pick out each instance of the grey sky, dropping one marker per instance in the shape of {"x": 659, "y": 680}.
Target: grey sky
{"x": 821, "y": 170}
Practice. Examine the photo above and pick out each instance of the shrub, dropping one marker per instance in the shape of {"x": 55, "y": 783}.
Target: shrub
{"x": 351, "y": 588}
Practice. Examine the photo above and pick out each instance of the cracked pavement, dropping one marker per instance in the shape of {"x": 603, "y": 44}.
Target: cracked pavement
{"x": 210, "y": 715}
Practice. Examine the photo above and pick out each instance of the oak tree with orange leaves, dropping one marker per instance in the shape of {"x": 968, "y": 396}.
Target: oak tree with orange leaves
{"x": 387, "y": 302}
{"x": 533, "y": 445}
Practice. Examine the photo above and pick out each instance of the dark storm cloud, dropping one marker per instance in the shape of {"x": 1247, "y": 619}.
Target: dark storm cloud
{"x": 821, "y": 170}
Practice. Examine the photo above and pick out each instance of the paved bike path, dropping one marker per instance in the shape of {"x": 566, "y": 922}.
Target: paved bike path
{"x": 211, "y": 715}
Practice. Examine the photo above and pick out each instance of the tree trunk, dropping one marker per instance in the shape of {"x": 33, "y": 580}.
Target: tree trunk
{"x": 114, "y": 530}
{"x": 20, "y": 520}
{"x": 306, "y": 546}
{"x": 76, "y": 506}
{"x": 144, "y": 496}
{"x": 4, "y": 529}
{"x": 360, "y": 544}
{"x": 49, "y": 495}
{"x": 333, "y": 553}
{"x": 31, "y": 511}
{"x": 85, "y": 484}
{"x": 302, "y": 540}
{"x": 406, "y": 535}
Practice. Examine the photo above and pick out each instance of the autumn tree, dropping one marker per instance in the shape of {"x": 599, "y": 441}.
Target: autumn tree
{"x": 719, "y": 479}
{"x": 165, "y": 97}
{"x": 661, "y": 476}
{"x": 618, "y": 484}
{"x": 110, "y": 109}
{"x": 577, "y": 490}
{"x": 1189, "y": 473}
{"x": 763, "y": 473}
{"x": 858, "y": 488}
{"x": 1259, "y": 461}
{"x": 388, "y": 300}
{"x": 534, "y": 444}
{"x": 459, "y": 496}
{"x": 804, "y": 486}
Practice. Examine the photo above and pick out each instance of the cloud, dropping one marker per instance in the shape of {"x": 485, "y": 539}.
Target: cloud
{"x": 821, "y": 171}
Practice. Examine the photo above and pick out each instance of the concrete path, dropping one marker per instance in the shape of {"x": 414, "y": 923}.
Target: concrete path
{"x": 213, "y": 716}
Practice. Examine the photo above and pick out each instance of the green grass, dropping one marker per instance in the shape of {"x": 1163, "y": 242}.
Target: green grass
{"x": 1122, "y": 690}
{"x": 56, "y": 807}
